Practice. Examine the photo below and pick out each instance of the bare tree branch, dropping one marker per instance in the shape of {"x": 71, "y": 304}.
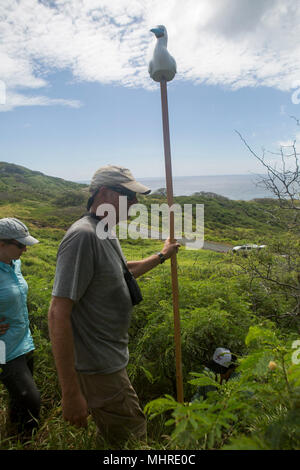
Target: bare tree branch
{"x": 283, "y": 183}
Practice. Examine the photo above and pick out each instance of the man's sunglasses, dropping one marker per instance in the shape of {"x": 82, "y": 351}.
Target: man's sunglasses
{"x": 14, "y": 242}
{"x": 124, "y": 192}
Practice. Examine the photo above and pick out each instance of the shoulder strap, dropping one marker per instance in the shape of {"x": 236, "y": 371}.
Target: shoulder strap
{"x": 119, "y": 254}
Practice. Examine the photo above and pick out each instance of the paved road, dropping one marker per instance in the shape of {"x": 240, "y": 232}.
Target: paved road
{"x": 214, "y": 246}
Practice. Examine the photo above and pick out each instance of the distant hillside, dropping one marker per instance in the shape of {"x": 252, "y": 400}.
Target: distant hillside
{"x": 226, "y": 219}
{"x": 46, "y": 201}
{"x": 18, "y": 183}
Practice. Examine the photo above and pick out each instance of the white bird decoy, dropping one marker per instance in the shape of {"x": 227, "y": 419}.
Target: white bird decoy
{"x": 163, "y": 65}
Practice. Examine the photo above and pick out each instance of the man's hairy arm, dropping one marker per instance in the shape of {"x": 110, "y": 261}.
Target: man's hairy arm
{"x": 138, "y": 268}
{"x": 74, "y": 405}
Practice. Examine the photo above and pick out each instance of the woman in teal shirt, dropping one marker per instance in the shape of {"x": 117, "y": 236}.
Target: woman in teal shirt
{"x": 16, "y": 344}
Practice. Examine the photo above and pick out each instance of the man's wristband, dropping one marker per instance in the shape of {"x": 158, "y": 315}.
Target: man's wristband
{"x": 162, "y": 257}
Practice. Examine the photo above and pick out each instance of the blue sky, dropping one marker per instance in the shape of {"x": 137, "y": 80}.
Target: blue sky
{"x": 78, "y": 93}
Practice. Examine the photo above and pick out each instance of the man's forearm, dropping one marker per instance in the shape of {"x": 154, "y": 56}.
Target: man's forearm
{"x": 138, "y": 268}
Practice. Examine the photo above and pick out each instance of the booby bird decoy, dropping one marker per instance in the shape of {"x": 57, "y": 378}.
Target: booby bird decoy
{"x": 163, "y": 65}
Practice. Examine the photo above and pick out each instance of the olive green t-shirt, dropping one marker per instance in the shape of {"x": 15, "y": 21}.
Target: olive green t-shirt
{"x": 89, "y": 271}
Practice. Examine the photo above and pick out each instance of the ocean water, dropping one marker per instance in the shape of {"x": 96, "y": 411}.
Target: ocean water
{"x": 236, "y": 187}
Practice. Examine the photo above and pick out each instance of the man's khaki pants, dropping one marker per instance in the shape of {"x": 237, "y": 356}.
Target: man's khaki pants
{"x": 114, "y": 406}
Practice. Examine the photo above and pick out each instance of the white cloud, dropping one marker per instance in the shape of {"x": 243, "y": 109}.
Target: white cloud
{"x": 14, "y": 100}
{"x": 235, "y": 43}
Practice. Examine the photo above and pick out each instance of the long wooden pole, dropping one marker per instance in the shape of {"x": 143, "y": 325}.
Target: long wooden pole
{"x": 169, "y": 182}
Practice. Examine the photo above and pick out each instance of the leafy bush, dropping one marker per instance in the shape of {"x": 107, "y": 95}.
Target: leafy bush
{"x": 259, "y": 409}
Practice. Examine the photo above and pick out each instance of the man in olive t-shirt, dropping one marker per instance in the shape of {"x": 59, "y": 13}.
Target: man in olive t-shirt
{"x": 90, "y": 312}
{"x": 90, "y": 272}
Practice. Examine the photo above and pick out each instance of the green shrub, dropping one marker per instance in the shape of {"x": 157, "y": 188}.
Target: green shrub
{"x": 259, "y": 409}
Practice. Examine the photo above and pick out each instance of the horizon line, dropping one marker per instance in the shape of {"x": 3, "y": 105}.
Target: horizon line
{"x": 185, "y": 176}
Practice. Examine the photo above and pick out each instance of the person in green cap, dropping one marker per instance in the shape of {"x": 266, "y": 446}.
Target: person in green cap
{"x": 220, "y": 368}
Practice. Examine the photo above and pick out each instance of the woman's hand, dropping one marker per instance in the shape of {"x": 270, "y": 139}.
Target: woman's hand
{"x": 3, "y": 326}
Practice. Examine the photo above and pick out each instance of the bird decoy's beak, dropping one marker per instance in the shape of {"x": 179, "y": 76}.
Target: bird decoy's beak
{"x": 158, "y": 32}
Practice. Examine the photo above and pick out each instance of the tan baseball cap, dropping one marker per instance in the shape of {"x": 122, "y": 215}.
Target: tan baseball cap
{"x": 113, "y": 175}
